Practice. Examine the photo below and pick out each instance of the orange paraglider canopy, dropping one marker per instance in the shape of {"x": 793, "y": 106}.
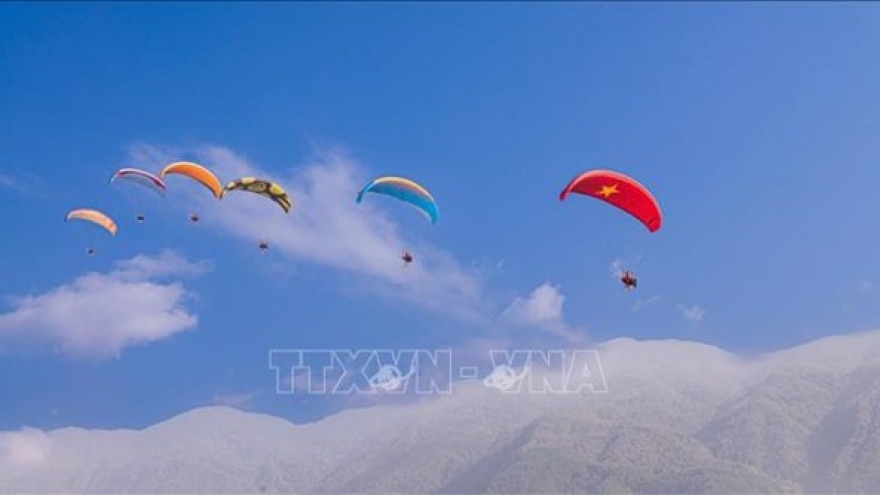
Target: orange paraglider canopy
{"x": 618, "y": 190}
{"x": 197, "y": 173}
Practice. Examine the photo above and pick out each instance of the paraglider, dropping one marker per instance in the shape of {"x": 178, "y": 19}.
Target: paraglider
{"x": 620, "y": 191}
{"x": 629, "y": 280}
{"x": 197, "y": 173}
{"x": 262, "y": 187}
{"x": 408, "y": 191}
{"x": 142, "y": 178}
{"x": 406, "y": 257}
{"x": 95, "y": 217}
{"x": 623, "y": 192}
{"x": 405, "y": 190}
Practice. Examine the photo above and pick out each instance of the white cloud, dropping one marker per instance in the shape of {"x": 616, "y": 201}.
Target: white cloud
{"x": 21, "y": 183}
{"x": 544, "y": 305}
{"x": 487, "y": 267}
{"x": 168, "y": 263}
{"x": 97, "y": 315}
{"x": 25, "y": 447}
{"x": 693, "y": 312}
{"x": 616, "y": 267}
{"x": 542, "y": 309}
{"x": 328, "y": 228}
{"x": 238, "y": 401}
{"x": 643, "y": 303}
{"x": 7, "y": 182}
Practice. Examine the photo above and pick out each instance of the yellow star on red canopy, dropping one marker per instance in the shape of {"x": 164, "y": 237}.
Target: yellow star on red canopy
{"x": 607, "y": 191}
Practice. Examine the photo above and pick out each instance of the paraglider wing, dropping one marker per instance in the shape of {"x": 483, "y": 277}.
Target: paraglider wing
{"x": 141, "y": 177}
{"x": 621, "y": 191}
{"x": 405, "y": 190}
{"x": 196, "y": 172}
{"x": 94, "y": 216}
{"x": 262, "y": 187}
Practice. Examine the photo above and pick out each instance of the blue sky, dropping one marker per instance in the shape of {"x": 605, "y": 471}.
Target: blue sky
{"x": 754, "y": 125}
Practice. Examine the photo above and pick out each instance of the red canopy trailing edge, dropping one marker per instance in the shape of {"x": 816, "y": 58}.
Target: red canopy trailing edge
{"x": 621, "y": 191}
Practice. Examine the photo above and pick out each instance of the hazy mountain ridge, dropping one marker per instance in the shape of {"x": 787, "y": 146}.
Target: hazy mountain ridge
{"x": 678, "y": 417}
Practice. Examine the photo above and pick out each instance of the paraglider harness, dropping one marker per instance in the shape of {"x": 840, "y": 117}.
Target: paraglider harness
{"x": 406, "y": 257}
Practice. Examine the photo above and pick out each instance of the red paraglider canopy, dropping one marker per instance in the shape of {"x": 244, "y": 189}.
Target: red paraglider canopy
{"x": 621, "y": 191}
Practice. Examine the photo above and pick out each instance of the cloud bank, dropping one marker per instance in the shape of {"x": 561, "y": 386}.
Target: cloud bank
{"x": 26, "y": 447}
{"x": 678, "y": 417}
